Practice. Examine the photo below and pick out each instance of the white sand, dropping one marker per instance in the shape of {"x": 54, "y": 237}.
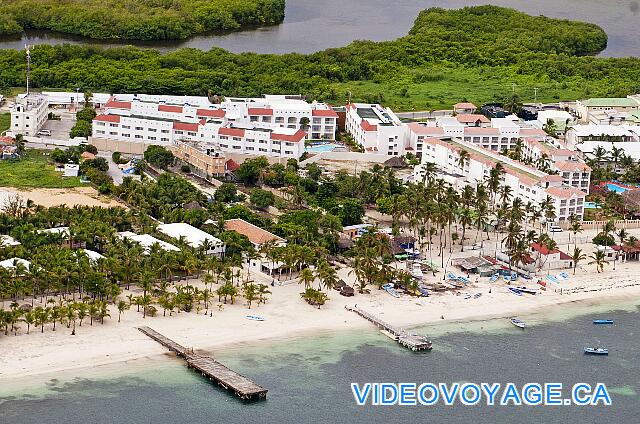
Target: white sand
{"x": 49, "y": 197}
{"x": 286, "y": 316}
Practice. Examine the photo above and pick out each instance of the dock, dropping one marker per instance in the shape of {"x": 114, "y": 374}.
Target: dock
{"x": 215, "y": 371}
{"x": 406, "y": 339}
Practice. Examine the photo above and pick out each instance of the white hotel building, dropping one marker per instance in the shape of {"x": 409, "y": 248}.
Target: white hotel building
{"x": 272, "y": 126}
{"x": 376, "y": 128}
{"x": 526, "y": 182}
{"x": 28, "y": 114}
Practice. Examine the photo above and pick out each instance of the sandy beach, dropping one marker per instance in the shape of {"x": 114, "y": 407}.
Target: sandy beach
{"x": 51, "y": 197}
{"x": 287, "y": 316}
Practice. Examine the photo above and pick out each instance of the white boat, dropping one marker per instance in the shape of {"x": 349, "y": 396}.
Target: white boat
{"x": 524, "y": 289}
{"x": 518, "y": 323}
{"x": 255, "y": 318}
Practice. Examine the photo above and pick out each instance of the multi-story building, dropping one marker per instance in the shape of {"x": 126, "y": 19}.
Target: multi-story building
{"x": 318, "y": 120}
{"x": 528, "y": 183}
{"x": 573, "y": 173}
{"x": 585, "y": 108}
{"x": 28, "y": 114}
{"x": 203, "y": 158}
{"x": 581, "y": 133}
{"x": 377, "y": 129}
{"x": 464, "y": 107}
{"x": 232, "y": 126}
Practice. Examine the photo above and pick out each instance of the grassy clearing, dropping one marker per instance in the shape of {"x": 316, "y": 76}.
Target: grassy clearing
{"x": 440, "y": 88}
{"x": 5, "y": 121}
{"x": 34, "y": 170}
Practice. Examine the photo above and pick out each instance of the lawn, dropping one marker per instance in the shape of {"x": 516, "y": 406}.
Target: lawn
{"x": 34, "y": 170}
{"x": 5, "y": 121}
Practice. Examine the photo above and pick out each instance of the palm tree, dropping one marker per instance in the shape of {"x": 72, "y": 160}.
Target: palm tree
{"x": 122, "y": 306}
{"x": 575, "y": 228}
{"x": 576, "y": 257}
{"x": 307, "y": 277}
{"x": 599, "y": 260}
{"x": 29, "y": 318}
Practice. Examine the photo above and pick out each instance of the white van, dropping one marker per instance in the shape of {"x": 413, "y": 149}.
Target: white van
{"x": 44, "y": 133}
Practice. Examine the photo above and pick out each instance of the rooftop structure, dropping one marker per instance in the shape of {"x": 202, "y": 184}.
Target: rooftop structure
{"x": 376, "y": 128}
{"x": 28, "y": 114}
{"x": 194, "y": 237}
{"x": 585, "y": 108}
{"x": 256, "y": 235}
{"x": 148, "y": 241}
{"x": 12, "y": 263}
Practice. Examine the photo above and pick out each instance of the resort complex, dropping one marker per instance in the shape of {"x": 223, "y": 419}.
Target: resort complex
{"x": 407, "y": 205}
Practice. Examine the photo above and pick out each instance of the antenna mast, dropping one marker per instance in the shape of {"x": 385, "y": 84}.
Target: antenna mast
{"x": 28, "y": 50}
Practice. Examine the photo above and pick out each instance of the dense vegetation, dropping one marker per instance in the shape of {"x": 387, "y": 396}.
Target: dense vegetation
{"x": 474, "y": 53}
{"x": 137, "y": 19}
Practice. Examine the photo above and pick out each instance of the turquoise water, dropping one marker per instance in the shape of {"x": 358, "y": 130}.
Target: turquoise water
{"x": 591, "y": 205}
{"x": 319, "y": 148}
{"x": 616, "y": 188}
{"x": 309, "y": 379}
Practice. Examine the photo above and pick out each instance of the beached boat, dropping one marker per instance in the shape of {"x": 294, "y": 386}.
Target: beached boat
{"x": 527, "y": 290}
{"x": 467, "y": 296}
{"x": 423, "y": 292}
{"x": 514, "y": 276}
{"x": 477, "y": 295}
{"x": 506, "y": 278}
{"x": 255, "y": 317}
{"x": 563, "y": 276}
{"x": 391, "y": 290}
{"x": 603, "y": 321}
{"x": 494, "y": 277}
{"x": 452, "y": 276}
{"x": 518, "y": 323}
{"x": 463, "y": 280}
{"x": 596, "y": 351}
{"x": 515, "y": 291}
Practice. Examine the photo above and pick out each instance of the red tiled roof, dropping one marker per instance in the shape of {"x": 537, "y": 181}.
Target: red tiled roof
{"x": 293, "y": 138}
{"x": 87, "y": 155}
{"x": 532, "y": 132}
{"x": 543, "y": 249}
{"x": 7, "y": 140}
{"x": 481, "y": 131}
{"x": 424, "y": 130}
{"x": 464, "y": 105}
{"x": 231, "y": 165}
{"x": 565, "y": 257}
{"x": 183, "y": 126}
{"x": 107, "y": 118}
{"x": 472, "y": 117}
{"x": 232, "y": 132}
{"x": 169, "y": 108}
{"x": 365, "y": 125}
{"x": 564, "y": 165}
{"x": 211, "y": 113}
{"x": 117, "y": 105}
{"x": 565, "y": 192}
{"x": 255, "y": 234}
{"x": 260, "y": 111}
{"x": 329, "y": 113}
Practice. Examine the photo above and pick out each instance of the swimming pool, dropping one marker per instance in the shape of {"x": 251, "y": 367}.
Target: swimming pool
{"x": 319, "y": 148}
{"x": 591, "y": 205}
{"x": 616, "y": 188}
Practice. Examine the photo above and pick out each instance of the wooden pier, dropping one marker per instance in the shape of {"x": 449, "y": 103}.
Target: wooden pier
{"x": 210, "y": 368}
{"x": 408, "y": 340}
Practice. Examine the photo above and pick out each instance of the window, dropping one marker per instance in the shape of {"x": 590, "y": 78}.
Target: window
{"x": 288, "y": 152}
{"x": 113, "y": 133}
{"x": 152, "y": 130}
{"x": 328, "y": 120}
{"x": 191, "y": 134}
{"x": 276, "y": 142}
{"x": 250, "y": 148}
{"x": 99, "y": 132}
{"x": 292, "y": 120}
{"x": 224, "y": 146}
{"x": 262, "y": 150}
{"x": 237, "y": 147}
{"x": 138, "y": 136}
{"x": 315, "y": 120}
{"x": 113, "y": 125}
{"x": 139, "y": 128}
{"x": 164, "y": 139}
{"x": 238, "y": 139}
{"x": 279, "y": 120}
{"x": 101, "y": 124}
{"x": 125, "y": 135}
{"x": 126, "y": 127}
{"x": 266, "y": 119}
{"x": 275, "y": 151}
{"x": 224, "y": 137}
{"x": 253, "y": 119}
{"x": 164, "y": 131}
{"x": 179, "y": 132}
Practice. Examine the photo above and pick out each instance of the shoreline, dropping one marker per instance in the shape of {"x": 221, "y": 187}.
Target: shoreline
{"x": 53, "y": 356}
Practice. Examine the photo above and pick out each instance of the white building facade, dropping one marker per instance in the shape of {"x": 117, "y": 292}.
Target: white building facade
{"x": 28, "y": 114}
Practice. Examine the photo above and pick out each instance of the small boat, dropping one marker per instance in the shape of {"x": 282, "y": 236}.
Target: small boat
{"x": 389, "y": 288}
{"x": 467, "y": 296}
{"x": 477, "y": 295}
{"x": 514, "y": 276}
{"x": 552, "y": 279}
{"x": 596, "y": 351}
{"x": 603, "y": 321}
{"x": 463, "y": 280}
{"x": 527, "y": 290}
{"x": 518, "y": 323}
{"x": 423, "y": 292}
{"x": 255, "y": 317}
{"x": 515, "y": 291}
{"x": 494, "y": 277}
{"x": 564, "y": 275}
{"x": 506, "y": 278}
{"x": 452, "y": 276}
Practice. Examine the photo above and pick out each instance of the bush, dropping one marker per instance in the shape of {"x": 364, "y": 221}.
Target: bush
{"x": 604, "y": 240}
{"x": 81, "y": 129}
{"x": 262, "y": 199}
{"x": 185, "y": 168}
{"x": 158, "y": 156}
{"x": 226, "y": 193}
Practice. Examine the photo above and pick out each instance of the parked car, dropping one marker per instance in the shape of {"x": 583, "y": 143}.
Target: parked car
{"x": 44, "y": 133}
{"x": 555, "y": 229}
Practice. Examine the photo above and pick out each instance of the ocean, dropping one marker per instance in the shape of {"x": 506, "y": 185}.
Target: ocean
{"x": 309, "y": 378}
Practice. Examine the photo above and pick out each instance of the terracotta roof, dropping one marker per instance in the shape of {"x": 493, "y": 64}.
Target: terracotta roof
{"x": 472, "y": 117}
{"x": 169, "y": 108}
{"x": 211, "y": 113}
{"x": 564, "y": 165}
{"x": 255, "y": 234}
{"x": 293, "y": 138}
{"x": 183, "y": 126}
{"x": 233, "y": 132}
{"x": 87, "y": 155}
{"x": 481, "y": 131}
{"x": 424, "y": 130}
{"x": 543, "y": 249}
{"x": 107, "y": 118}
{"x": 117, "y": 105}
{"x": 7, "y": 140}
{"x": 464, "y": 105}
{"x": 552, "y": 178}
{"x": 565, "y": 192}
{"x": 231, "y": 165}
{"x": 367, "y": 126}
{"x": 260, "y": 111}
{"x": 532, "y": 132}
{"x": 329, "y": 113}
